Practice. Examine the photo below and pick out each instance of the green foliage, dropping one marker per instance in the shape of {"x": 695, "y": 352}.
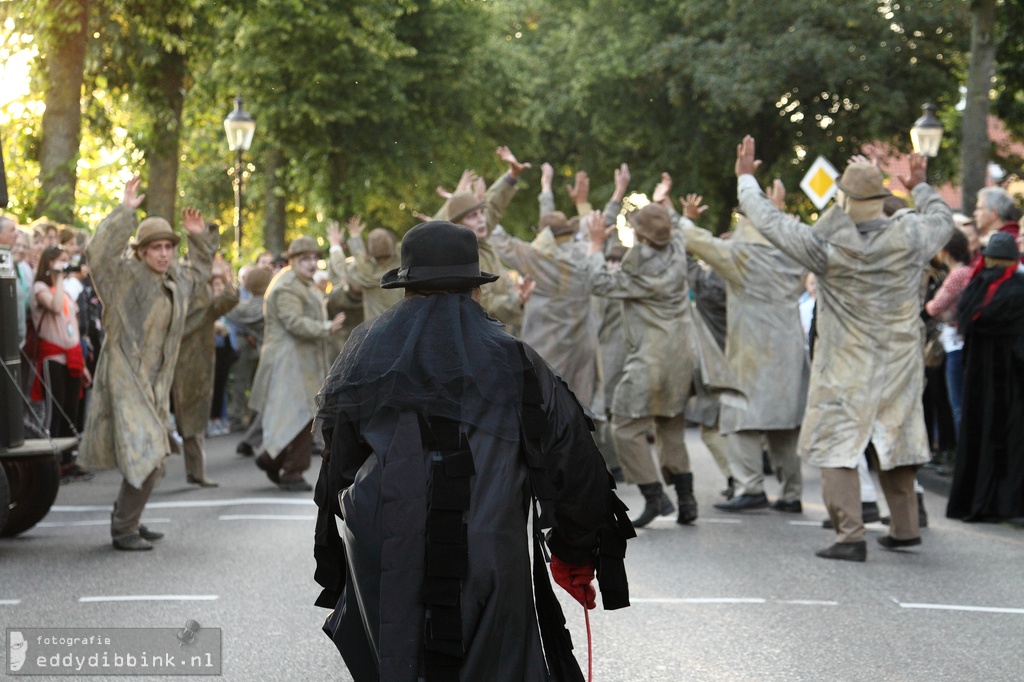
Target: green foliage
{"x": 374, "y": 104}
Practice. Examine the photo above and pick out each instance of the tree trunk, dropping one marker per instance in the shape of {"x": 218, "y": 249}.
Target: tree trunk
{"x": 974, "y": 155}
{"x": 276, "y": 170}
{"x": 162, "y": 154}
{"x": 64, "y": 65}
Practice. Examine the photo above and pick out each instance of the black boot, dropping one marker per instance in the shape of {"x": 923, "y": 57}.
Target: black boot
{"x": 657, "y": 503}
{"x": 730, "y": 489}
{"x": 687, "y": 502}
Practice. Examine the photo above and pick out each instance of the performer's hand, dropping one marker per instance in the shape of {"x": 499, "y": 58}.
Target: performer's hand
{"x": 578, "y": 581}
{"x": 746, "y": 164}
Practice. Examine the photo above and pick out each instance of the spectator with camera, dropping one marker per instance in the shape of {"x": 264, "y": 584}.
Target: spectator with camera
{"x": 60, "y": 366}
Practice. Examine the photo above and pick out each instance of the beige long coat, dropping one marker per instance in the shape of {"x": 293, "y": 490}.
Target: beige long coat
{"x": 365, "y": 273}
{"x": 764, "y": 342}
{"x": 868, "y": 369}
{"x": 127, "y": 421}
{"x": 661, "y": 351}
{"x": 193, "y": 375}
{"x": 499, "y": 298}
{"x": 557, "y": 320}
{"x": 294, "y": 359}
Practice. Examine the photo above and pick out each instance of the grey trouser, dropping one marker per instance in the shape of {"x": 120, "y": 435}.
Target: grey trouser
{"x": 747, "y": 469}
{"x": 630, "y": 436}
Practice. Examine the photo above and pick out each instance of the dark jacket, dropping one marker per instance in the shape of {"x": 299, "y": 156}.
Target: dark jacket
{"x": 441, "y": 428}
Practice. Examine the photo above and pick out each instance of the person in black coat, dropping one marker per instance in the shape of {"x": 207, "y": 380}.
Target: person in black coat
{"x": 443, "y": 434}
{"x": 988, "y": 477}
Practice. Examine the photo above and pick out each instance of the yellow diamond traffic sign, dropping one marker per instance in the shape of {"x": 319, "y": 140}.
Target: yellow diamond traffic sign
{"x": 819, "y": 183}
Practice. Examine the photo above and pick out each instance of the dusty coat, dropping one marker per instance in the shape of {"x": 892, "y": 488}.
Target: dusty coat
{"x": 499, "y": 298}
{"x": 193, "y": 376}
{"x": 764, "y": 342}
{"x": 294, "y": 359}
{"x": 659, "y": 329}
{"x": 365, "y": 273}
{"x": 127, "y": 421}
{"x": 607, "y": 314}
{"x": 868, "y": 370}
{"x": 557, "y": 321}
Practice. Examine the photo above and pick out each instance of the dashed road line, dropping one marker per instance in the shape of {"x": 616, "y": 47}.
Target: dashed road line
{"x": 148, "y": 597}
{"x": 700, "y": 600}
{"x": 96, "y": 522}
{"x": 265, "y": 517}
{"x": 9, "y": 602}
{"x": 960, "y": 607}
{"x": 195, "y": 504}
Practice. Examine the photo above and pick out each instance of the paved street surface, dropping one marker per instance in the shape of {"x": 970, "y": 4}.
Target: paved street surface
{"x": 736, "y": 597}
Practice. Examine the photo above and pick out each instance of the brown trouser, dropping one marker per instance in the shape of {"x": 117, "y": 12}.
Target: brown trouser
{"x": 295, "y": 459}
{"x": 124, "y": 520}
{"x": 195, "y": 456}
{"x": 841, "y": 490}
{"x": 630, "y": 436}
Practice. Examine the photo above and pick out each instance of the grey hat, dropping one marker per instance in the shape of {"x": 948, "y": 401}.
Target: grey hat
{"x": 1001, "y": 245}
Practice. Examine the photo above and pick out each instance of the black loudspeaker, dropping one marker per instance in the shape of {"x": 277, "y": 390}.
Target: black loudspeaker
{"x": 12, "y": 411}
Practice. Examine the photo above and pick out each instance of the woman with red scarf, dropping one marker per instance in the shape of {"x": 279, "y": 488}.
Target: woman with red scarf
{"x": 60, "y": 367}
{"x": 988, "y": 479}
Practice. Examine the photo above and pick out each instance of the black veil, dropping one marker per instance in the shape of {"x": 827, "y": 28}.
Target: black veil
{"x": 438, "y": 355}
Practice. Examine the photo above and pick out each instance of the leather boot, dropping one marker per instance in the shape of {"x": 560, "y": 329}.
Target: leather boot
{"x": 687, "y": 502}
{"x": 656, "y": 503}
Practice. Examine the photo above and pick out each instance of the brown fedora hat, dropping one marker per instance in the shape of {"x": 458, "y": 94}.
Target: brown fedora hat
{"x": 151, "y": 229}
{"x": 301, "y": 245}
{"x": 863, "y": 181}
{"x": 652, "y": 222}
{"x": 460, "y": 204}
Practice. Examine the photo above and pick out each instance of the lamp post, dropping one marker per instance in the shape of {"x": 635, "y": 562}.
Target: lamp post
{"x": 239, "y": 127}
{"x": 926, "y": 135}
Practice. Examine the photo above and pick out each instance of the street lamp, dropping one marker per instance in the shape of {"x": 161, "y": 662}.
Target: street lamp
{"x": 926, "y": 135}
{"x": 239, "y": 127}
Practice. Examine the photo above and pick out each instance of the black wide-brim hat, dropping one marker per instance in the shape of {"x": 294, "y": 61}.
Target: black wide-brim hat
{"x": 438, "y": 255}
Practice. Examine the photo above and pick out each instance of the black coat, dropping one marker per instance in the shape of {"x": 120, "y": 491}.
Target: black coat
{"x": 431, "y": 574}
{"x": 988, "y": 479}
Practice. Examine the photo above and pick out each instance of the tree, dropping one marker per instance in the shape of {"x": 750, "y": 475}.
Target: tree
{"x": 974, "y": 152}
{"x": 675, "y": 86}
{"x": 64, "y": 35}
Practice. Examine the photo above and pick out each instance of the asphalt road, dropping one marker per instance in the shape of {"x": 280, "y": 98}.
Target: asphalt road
{"x": 735, "y": 597}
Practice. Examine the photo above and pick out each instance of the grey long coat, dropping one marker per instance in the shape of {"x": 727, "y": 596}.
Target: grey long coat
{"x": 764, "y": 342}
{"x": 661, "y": 351}
{"x": 127, "y": 422}
{"x": 868, "y": 369}
{"x": 294, "y": 359}
{"x": 557, "y": 321}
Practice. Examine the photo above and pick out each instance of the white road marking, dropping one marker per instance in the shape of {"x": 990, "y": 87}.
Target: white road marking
{"x": 958, "y": 607}
{"x": 189, "y": 505}
{"x": 149, "y": 597}
{"x": 97, "y": 522}
{"x": 734, "y": 600}
{"x": 265, "y": 517}
{"x": 9, "y": 602}
{"x": 816, "y": 524}
{"x": 707, "y": 520}
{"x": 700, "y": 600}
